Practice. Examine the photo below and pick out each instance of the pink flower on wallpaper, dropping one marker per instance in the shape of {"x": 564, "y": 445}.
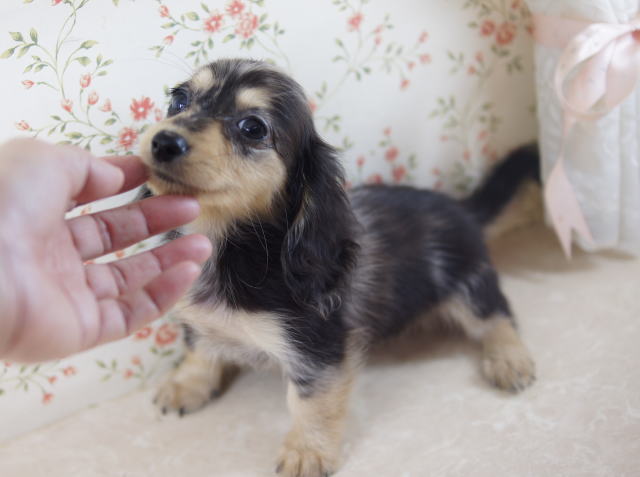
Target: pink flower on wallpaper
{"x": 374, "y": 179}
{"x": 158, "y": 114}
{"x": 411, "y": 65}
{"x": 93, "y": 98}
{"x": 247, "y": 24}
{"x": 467, "y": 155}
{"x": 436, "y": 171}
{"x": 235, "y": 8}
{"x": 143, "y": 333}
{"x": 7, "y": 364}
{"x": 27, "y": 84}
{"x": 106, "y": 107}
{"x": 140, "y": 109}
{"x": 353, "y": 23}
{"x": 23, "y": 125}
{"x": 167, "y": 40}
{"x": 55, "y": 2}
{"x": 404, "y": 84}
{"x": 85, "y": 80}
{"x": 506, "y": 33}
{"x": 66, "y": 104}
{"x": 425, "y": 58}
{"x": 128, "y": 374}
{"x": 391, "y": 154}
{"x": 472, "y": 70}
{"x": 386, "y": 131}
{"x": 136, "y": 361}
{"x": 127, "y": 138}
{"x": 164, "y": 11}
{"x": 69, "y": 371}
{"x": 399, "y": 173}
{"x": 213, "y": 23}
{"x": 166, "y": 334}
{"x": 377, "y": 40}
{"x": 46, "y": 398}
{"x": 482, "y": 135}
{"x": 313, "y": 106}
{"x": 424, "y": 36}
{"x": 52, "y": 379}
{"x": 119, "y": 254}
{"x": 360, "y": 161}
{"x": 487, "y": 28}
{"x": 480, "y": 57}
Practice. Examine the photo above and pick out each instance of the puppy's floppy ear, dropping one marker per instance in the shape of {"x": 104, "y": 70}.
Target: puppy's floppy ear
{"x": 319, "y": 249}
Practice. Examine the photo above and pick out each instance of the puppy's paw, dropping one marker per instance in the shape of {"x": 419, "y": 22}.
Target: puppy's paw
{"x": 301, "y": 461}
{"x": 184, "y": 395}
{"x": 510, "y": 368}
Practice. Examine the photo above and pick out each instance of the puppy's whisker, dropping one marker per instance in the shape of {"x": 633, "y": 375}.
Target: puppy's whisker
{"x": 189, "y": 69}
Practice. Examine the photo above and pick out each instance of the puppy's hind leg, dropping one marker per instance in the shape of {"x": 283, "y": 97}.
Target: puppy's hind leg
{"x": 483, "y": 313}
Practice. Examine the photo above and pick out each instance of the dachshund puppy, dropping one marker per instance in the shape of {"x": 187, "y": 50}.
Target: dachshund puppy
{"x": 306, "y": 275}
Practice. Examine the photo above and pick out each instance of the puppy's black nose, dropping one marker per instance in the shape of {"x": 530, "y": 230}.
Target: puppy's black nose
{"x": 167, "y": 146}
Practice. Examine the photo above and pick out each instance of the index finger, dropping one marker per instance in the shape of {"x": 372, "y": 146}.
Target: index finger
{"x": 135, "y": 172}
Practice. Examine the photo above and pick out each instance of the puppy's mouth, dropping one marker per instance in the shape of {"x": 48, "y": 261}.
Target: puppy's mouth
{"x": 176, "y": 184}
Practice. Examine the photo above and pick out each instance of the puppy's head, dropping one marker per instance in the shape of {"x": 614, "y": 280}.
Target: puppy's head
{"x": 230, "y": 138}
{"x": 239, "y": 135}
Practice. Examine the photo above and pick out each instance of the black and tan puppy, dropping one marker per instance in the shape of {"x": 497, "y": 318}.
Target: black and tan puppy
{"x": 305, "y": 275}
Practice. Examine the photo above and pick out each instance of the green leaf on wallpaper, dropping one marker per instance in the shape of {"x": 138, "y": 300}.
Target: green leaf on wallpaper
{"x": 28, "y": 68}
{"x": 83, "y": 60}
{"x": 106, "y": 140}
{"x": 116, "y": 2}
{"x": 64, "y": 126}
{"x": 8, "y": 53}
{"x": 23, "y": 50}
{"x": 107, "y": 63}
{"x": 40, "y": 67}
{"x": 98, "y": 60}
{"x": 210, "y": 43}
{"x": 27, "y": 1}
{"x": 16, "y": 35}
{"x": 204, "y": 7}
{"x": 34, "y": 35}
{"x": 109, "y": 121}
{"x": 74, "y": 135}
{"x": 102, "y": 73}
{"x": 88, "y": 44}
{"x": 196, "y": 43}
{"x": 192, "y": 16}
{"x": 1, "y": 392}
{"x": 55, "y": 118}
{"x": 167, "y": 25}
{"x": 229, "y": 37}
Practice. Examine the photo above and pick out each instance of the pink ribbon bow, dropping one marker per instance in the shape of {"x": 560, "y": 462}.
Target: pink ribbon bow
{"x": 598, "y": 69}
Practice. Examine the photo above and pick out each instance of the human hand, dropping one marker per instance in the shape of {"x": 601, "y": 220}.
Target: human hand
{"x": 51, "y": 304}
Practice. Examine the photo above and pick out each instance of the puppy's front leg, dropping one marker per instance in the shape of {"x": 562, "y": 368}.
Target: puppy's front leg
{"x": 312, "y": 446}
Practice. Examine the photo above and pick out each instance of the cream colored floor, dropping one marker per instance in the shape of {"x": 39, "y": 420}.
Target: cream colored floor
{"x": 420, "y": 408}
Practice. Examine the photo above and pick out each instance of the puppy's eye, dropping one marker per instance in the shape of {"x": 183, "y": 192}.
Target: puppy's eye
{"x": 179, "y": 101}
{"x": 252, "y": 128}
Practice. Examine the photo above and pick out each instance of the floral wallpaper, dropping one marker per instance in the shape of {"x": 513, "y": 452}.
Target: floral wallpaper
{"x": 422, "y": 93}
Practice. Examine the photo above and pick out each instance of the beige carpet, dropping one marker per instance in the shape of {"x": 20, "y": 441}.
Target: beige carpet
{"x": 420, "y": 408}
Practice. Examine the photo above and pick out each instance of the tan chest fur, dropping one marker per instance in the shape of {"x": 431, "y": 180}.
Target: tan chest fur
{"x": 250, "y": 338}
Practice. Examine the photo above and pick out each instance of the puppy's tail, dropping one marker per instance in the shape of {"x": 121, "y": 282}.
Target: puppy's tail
{"x": 503, "y": 182}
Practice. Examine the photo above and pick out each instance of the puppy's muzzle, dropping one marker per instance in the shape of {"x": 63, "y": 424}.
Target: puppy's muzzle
{"x": 167, "y": 146}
